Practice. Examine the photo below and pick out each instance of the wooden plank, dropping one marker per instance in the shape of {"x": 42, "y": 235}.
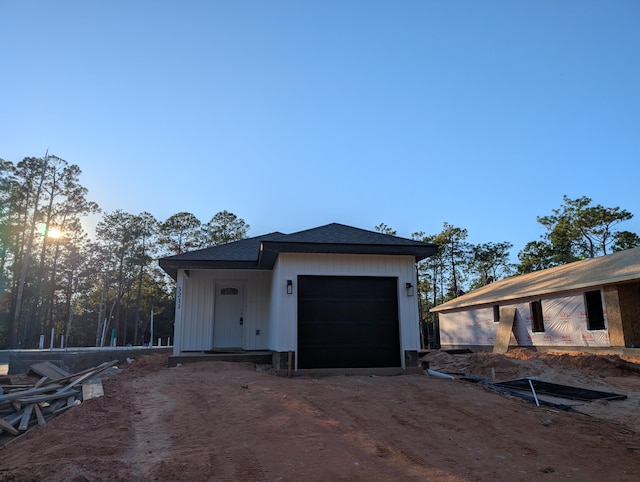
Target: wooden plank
{"x": 7, "y": 427}
{"x": 504, "y": 335}
{"x": 88, "y": 375}
{"x": 13, "y": 419}
{"x": 49, "y": 370}
{"x": 47, "y": 397}
{"x": 12, "y": 387}
{"x": 26, "y": 418}
{"x": 29, "y": 391}
{"x": 41, "y": 382}
{"x": 57, "y": 404}
{"x": 41, "y": 420}
{"x": 92, "y": 389}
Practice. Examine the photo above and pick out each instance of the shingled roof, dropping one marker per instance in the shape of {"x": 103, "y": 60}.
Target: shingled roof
{"x": 261, "y": 252}
{"x": 620, "y": 267}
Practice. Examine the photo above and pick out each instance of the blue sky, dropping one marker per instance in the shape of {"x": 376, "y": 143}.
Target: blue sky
{"x": 294, "y": 114}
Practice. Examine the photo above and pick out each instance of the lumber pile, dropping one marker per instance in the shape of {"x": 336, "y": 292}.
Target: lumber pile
{"x": 29, "y": 405}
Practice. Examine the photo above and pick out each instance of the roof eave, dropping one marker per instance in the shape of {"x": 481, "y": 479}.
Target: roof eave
{"x": 269, "y": 250}
{"x": 172, "y": 268}
{"x": 459, "y": 304}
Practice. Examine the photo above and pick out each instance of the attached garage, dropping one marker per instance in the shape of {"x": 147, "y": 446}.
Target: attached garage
{"x": 328, "y": 297}
{"x": 348, "y": 321}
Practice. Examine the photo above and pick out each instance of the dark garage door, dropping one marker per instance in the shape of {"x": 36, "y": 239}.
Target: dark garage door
{"x": 347, "y": 322}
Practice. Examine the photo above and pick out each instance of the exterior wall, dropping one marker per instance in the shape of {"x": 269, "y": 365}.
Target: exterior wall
{"x": 177, "y": 327}
{"x": 269, "y": 309}
{"x": 195, "y": 313}
{"x": 565, "y": 324}
{"x": 284, "y": 307}
{"x": 279, "y": 339}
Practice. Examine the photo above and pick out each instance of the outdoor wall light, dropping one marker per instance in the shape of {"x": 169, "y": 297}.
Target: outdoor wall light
{"x": 289, "y": 287}
{"x": 409, "y": 288}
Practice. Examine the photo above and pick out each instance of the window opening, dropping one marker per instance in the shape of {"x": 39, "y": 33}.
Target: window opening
{"x": 594, "y": 309}
{"x": 537, "y": 320}
{"x": 229, "y": 291}
{"x": 496, "y": 313}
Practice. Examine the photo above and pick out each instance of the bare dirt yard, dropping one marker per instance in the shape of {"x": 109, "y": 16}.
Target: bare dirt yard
{"x": 225, "y": 421}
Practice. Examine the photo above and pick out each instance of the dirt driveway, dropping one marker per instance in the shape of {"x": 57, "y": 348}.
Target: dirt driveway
{"x": 225, "y": 421}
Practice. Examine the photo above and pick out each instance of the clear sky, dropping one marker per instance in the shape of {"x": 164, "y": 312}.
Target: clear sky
{"x": 297, "y": 113}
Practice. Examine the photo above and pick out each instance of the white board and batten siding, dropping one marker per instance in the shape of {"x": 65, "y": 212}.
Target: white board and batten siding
{"x": 269, "y": 310}
{"x": 195, "y": 317}
{"x": 291, "y": 265}
{"x": 565, "y": 324}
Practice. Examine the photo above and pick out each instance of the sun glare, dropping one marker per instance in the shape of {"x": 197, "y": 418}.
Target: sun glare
{"x": 54, "y": 233}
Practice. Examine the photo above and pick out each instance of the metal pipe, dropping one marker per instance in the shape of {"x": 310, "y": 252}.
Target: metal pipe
{"x": 440, "y": 374}
{"x": 535, "y": 397}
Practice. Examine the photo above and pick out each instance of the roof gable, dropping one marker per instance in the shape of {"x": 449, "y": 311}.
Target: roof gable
{"x": 620, "y": 267}
{"x": 336, "y": 233}
{"x": 242, "y": 250}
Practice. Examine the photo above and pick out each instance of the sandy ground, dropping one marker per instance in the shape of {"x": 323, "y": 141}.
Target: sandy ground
{"x": 225, "y": 421}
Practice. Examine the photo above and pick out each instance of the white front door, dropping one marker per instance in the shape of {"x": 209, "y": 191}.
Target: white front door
{"x": 228, "y": 322}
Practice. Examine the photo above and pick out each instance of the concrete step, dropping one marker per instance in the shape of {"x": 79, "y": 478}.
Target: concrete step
{"x": 257, "y": 357}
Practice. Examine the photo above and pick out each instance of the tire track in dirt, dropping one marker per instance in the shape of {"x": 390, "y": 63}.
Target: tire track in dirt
{"x": 151, "y": 443}
{"x": 358, "y": 435}
{"x": 179, "y": 431}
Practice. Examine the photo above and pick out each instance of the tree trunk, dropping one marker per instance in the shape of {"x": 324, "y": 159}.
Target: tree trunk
{"x": 27, "y": 255}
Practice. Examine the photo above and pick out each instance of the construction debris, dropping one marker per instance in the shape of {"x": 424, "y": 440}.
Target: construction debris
{"x": 518, "y": 394}
{"x": 92, "y": 389}
{"x": 440, "y": 374}
{"x": 28, "y": 405}
{"x": 560, "y": 391}
{"x": 519, "y": 387}
{"x": 49, "y": 370}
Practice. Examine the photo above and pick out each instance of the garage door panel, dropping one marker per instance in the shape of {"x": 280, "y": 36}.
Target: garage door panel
{"x": 349, "y": 357}
{"x": 347, "y": 322}
{"x": 350, "y": 310}
{"x": 345, "y": 333}
{"x": 335, "y": 287}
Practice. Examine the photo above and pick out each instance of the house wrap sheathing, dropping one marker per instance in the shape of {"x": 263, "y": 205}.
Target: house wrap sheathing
{"x": 589, "y": 303}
